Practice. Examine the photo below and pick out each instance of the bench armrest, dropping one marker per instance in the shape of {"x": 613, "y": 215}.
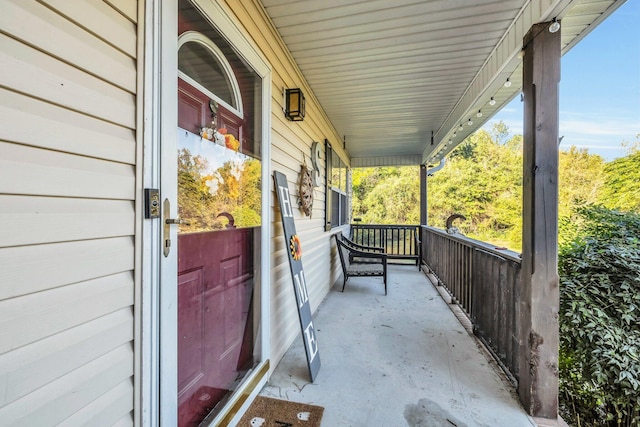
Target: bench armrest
{"x": 362, "y": 247}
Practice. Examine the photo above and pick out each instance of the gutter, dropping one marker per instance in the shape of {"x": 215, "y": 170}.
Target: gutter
{"x": 431, "y": 171}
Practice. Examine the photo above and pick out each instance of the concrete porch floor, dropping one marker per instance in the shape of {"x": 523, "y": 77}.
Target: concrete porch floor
{"x": 397, "y": 360}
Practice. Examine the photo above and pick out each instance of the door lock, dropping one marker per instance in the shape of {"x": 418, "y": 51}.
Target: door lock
{"x": 151, "y": 203}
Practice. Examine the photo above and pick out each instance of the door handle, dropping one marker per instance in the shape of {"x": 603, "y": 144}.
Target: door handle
{"x": 166, "y": 211}
{"x": 176, "y": 221}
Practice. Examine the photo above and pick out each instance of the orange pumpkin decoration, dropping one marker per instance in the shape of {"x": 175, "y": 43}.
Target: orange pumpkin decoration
{"x": 231, "y": 142}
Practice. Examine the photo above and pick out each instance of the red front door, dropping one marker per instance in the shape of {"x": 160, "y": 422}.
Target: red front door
{"x": 219, "y": 195}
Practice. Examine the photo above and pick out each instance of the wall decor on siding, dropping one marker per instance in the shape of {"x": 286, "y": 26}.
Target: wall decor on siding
{"x": 292, "y": 242}
{"x": 316, "y": 152}
{"x": 305, "y": 190}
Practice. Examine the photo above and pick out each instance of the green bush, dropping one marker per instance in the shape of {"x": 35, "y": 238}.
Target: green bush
{"x": 599, "y": 271}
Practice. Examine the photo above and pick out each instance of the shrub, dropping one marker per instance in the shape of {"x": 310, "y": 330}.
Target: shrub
{"x": 599, "y": 271}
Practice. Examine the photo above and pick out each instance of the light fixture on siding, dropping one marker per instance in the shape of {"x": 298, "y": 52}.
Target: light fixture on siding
{"x": 470, "y": 122}
{"x": 294, "y": 104}
{"x": 460, "y": 128}
{"x": 492, "y": 101}
{"x": 479, "y": 113}
{"x": 507, "y": 83}
{"x": 555, "y": 26}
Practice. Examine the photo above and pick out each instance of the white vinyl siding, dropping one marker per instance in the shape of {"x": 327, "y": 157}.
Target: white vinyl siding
{"x": 68, "y": 144}
{"x": 290, "y": 149}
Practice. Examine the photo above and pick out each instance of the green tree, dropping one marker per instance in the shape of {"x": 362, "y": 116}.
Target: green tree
{"x": 482, "y": 181}
{"x": 363, "y": 182}
{"x": 395, "y": 199}
{"x": 599, "y": 272}
{"x": 622, "y": 183}
{"x": 581, "y": 177}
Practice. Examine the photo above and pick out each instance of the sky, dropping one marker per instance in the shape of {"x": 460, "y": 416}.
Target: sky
{"x": 599, "y": 88}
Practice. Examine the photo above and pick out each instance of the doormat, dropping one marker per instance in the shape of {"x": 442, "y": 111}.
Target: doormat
{"x": 267, "y": 412}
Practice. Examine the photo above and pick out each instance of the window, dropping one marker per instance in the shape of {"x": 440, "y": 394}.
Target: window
{"x": 203, "y": 65}
{"x": 337, "y": 199}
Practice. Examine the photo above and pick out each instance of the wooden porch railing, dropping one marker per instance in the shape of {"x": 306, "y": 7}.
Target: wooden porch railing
{"x": 485, "y": 282}
{"x": 398, "y": 241}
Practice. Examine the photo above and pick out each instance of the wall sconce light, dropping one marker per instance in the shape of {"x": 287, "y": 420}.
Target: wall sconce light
{"x": 492, "y": 101}
{"x": 479, "y": 113}
{"x": 460, "y": 128}
{"x": 294, "y": 104}
{"x": 470, "y": 122}
{"x": 507, "y": 83}
{"x": 555, "y": 26}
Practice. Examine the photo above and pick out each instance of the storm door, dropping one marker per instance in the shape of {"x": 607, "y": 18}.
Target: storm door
{"x": 219, "y": 206}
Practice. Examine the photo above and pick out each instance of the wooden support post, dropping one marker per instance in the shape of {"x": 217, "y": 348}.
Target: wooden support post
{"x": 539, "y": 296}
{"x": 423, "y": 194}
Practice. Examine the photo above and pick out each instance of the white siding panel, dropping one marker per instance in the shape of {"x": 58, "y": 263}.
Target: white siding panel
{"x": 107, "y": 23}
{"x": 63, "y": 39}
{"x": 125, "y": 421}
{"x": 128, "y": 8}
{"x": 106, "y": 410}
{"x": 30, "y": 71}
{"x": 33, "y": 220}
{"x": 28, "y": 269}
{"x": 68, "y": 151}
{"x": 27, "y": 170}
{"x": 36, "y": 316}
{"x": 30, "y": 367}
{"x": 62, "y": 129}
{"x": 51, "y": 404}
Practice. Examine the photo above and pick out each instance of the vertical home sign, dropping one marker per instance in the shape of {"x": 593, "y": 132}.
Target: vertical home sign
{"x": 292, "y": 245}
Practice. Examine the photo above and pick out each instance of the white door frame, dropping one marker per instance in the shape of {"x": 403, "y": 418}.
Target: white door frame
{"x": 158, "y": 323}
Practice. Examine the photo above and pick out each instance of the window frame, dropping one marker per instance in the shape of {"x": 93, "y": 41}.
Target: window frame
{"x": 333, "y": 189}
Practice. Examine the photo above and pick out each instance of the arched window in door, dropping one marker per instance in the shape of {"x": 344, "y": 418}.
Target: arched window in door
{"x": 204, "y": 66}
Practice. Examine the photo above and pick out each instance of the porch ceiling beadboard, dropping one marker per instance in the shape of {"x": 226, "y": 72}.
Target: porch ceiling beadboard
{"x": 389, "y": 73}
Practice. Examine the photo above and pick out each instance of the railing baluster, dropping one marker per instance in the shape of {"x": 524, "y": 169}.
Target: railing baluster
{"x": 398, "y": 241}
{"x": 485, "y": 283}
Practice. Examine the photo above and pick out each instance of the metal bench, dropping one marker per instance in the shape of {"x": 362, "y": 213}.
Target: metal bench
{"x": 363, "y": 263}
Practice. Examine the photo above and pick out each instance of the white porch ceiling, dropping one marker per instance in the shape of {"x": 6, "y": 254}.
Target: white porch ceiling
{"x": 388, "y": 73}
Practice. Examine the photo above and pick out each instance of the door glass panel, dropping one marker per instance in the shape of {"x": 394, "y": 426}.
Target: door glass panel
{"x": 198, "y": 62}
{"x": 219, "y": 195}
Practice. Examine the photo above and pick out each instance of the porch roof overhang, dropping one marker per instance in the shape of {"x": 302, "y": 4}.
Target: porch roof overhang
{"x": 390, "y": 74}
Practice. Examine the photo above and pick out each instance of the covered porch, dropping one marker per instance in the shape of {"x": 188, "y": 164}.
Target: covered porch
{"x": 402, "y": 359}
{"x": 393, "y": 82}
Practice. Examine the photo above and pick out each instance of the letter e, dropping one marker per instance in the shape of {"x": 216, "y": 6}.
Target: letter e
{"x": 312, "y": 344}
